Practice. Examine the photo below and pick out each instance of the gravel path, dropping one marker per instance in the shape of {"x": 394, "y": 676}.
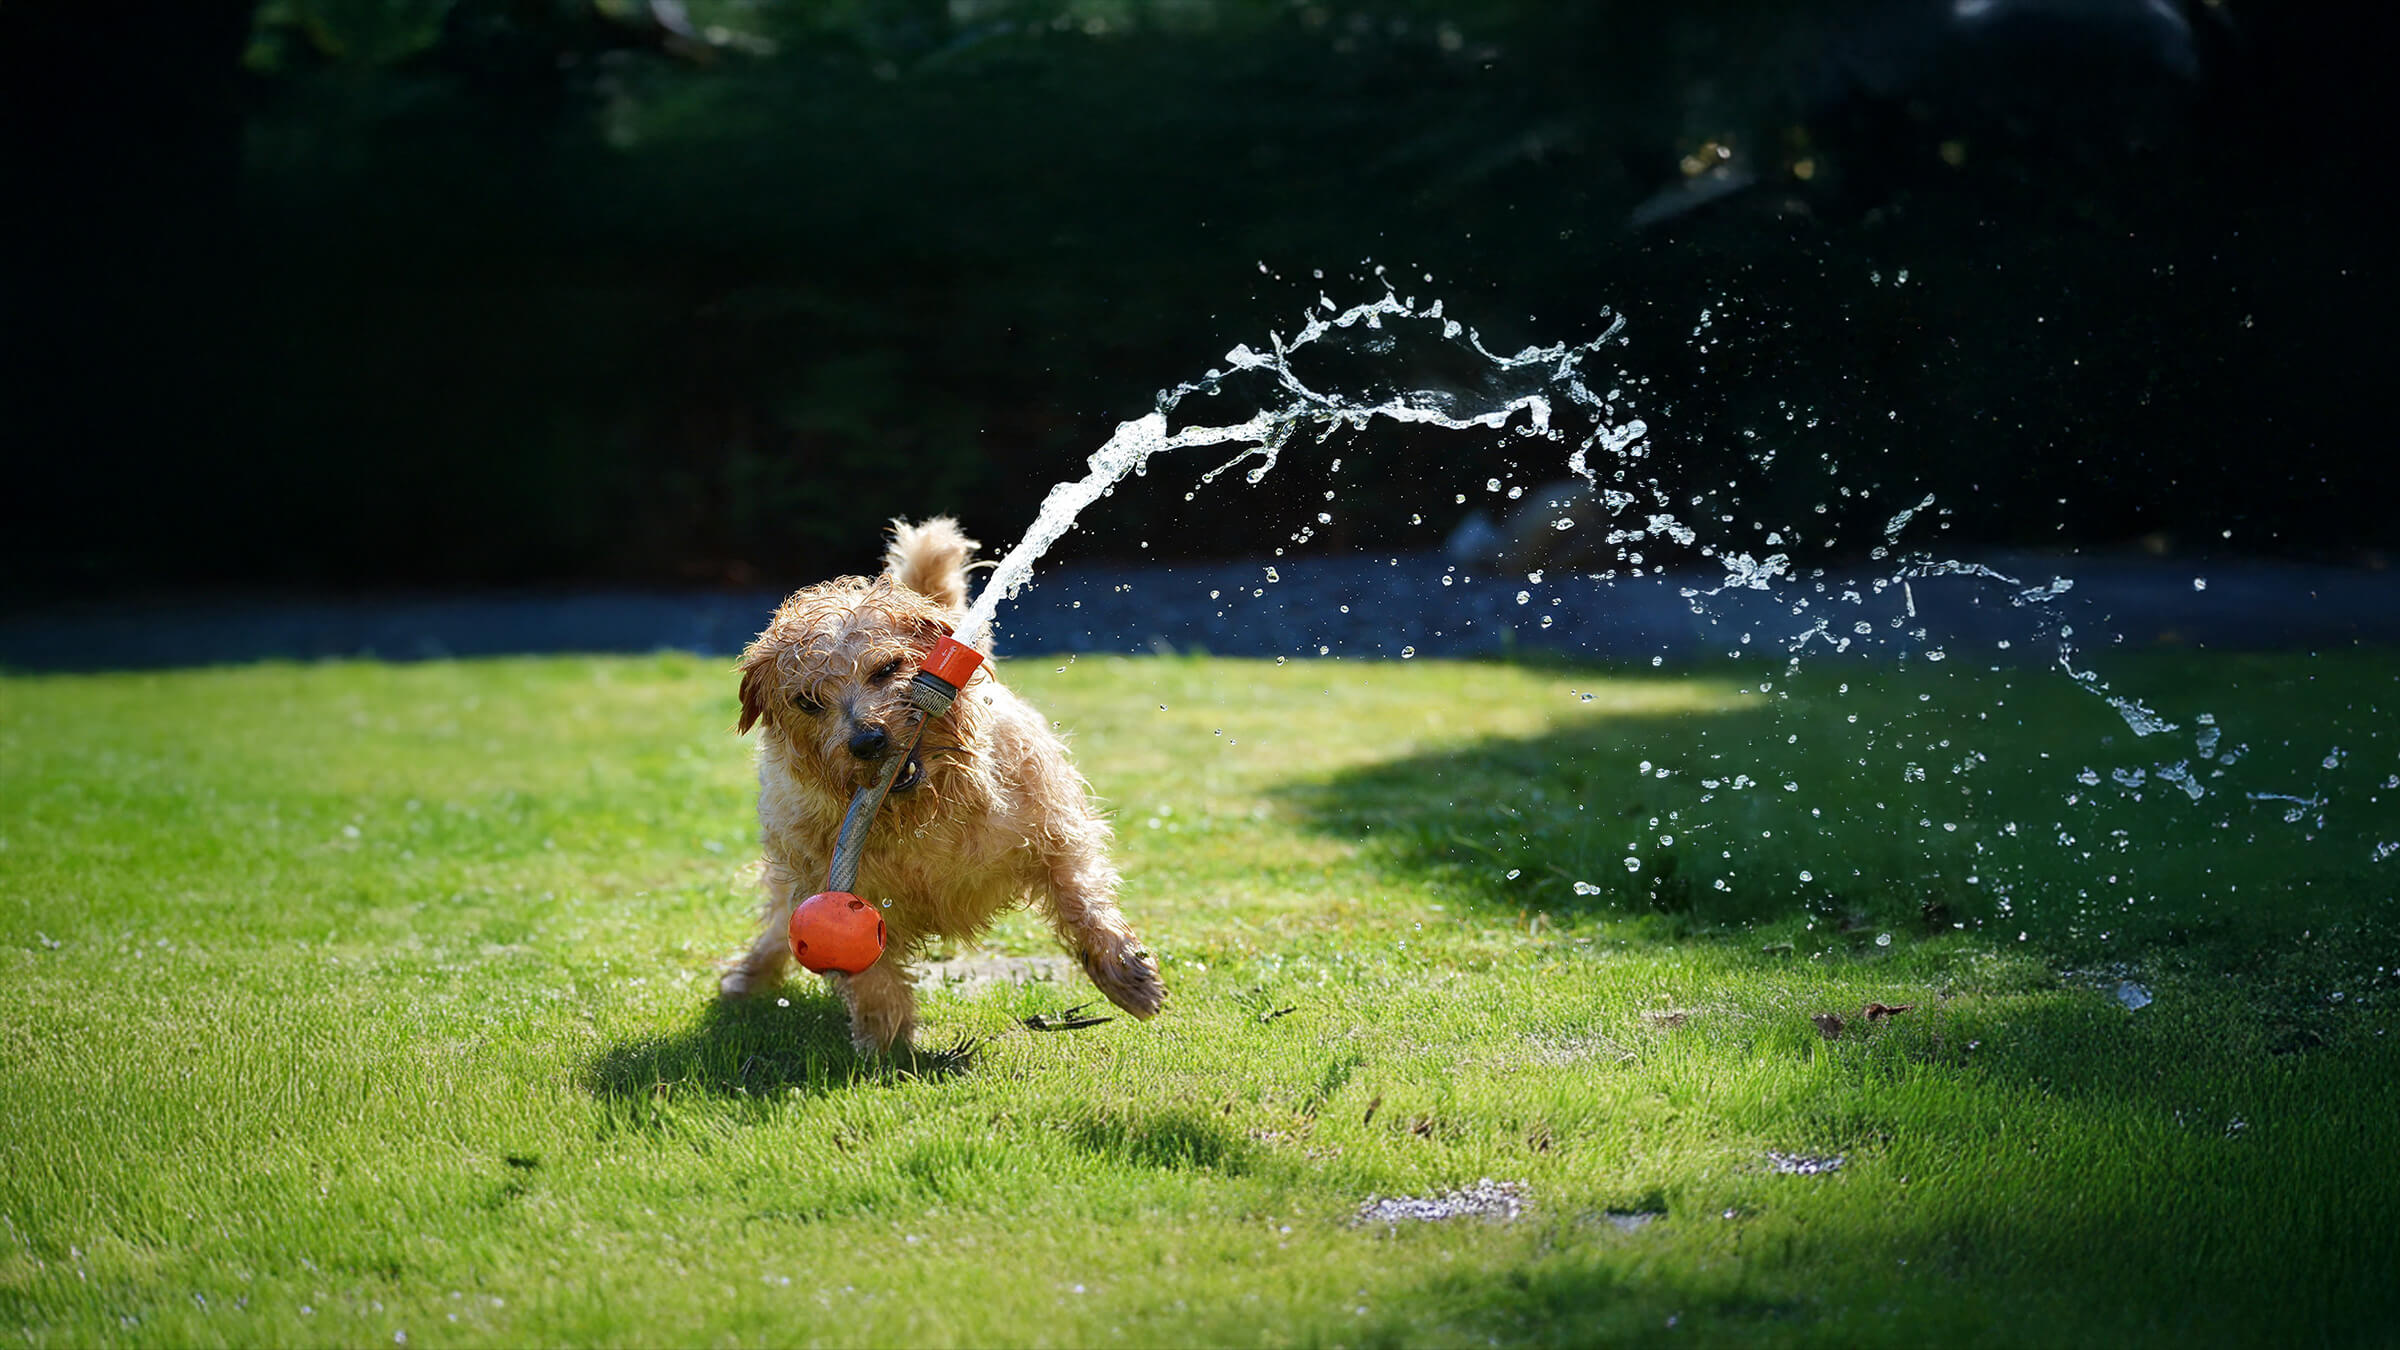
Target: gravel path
{"x": 1361, "y": 607}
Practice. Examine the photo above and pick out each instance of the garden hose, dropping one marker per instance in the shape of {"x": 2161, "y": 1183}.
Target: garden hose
{"x": 935, "y": 687}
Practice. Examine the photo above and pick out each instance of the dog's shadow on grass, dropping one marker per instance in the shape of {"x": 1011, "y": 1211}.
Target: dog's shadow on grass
{"x": 759, "y": 1048}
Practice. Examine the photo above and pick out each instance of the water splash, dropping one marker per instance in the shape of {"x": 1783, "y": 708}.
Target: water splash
{"x": 1293, "y": 403}
{"x": 1904, "y": 603}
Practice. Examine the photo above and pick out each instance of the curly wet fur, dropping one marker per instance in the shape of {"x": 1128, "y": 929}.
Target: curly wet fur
{"x": 1000, "y": 817}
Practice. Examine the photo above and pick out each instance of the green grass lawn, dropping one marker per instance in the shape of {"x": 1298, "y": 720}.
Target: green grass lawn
{"x": 370, "y": 1004}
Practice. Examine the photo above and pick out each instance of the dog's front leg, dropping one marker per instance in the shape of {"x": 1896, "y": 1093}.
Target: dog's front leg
{"x": 882, "y": 1003}
{"x": 762, "y": 966}
{"x": 1082, "y": 900}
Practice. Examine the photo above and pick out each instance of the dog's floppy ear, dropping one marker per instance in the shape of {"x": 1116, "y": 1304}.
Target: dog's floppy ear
{"x": 758, "y": 681}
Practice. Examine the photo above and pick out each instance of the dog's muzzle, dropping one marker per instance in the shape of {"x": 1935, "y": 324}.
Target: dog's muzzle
{"x": 936, "y": 685}
{"x": 870, "y": 743}
{"x": 872, "y": 746}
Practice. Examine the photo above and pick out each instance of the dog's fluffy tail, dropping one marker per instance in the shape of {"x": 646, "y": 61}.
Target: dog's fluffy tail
{"x": 931, "y": 559}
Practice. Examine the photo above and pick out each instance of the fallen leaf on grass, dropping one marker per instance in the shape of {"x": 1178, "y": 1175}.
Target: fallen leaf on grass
{"x": 1832, "y": 1025}
{"x": 1072, "y": 1019}
{"x": 944, "y": 1061}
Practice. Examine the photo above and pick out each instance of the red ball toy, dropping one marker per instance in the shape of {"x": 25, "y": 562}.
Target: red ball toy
{"x": 835, "y": 930}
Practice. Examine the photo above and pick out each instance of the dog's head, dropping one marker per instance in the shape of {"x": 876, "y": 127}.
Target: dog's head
{"x": 829, "y": 679}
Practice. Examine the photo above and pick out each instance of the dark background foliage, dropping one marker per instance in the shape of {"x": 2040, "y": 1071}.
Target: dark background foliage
{"x": 339, "y": 294}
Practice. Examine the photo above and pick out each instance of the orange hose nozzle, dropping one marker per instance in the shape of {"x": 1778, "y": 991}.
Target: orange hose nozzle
{"x": 952, "y": 662}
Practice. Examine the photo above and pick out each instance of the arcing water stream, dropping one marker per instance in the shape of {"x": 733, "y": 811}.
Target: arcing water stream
{"x": 1633, "y": 520}
{"x": 1266, "y": 431}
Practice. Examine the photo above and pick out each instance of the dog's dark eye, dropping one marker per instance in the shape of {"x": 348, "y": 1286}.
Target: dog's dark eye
{"x": 807, "y": 705}
{"x": 887, "y": 670}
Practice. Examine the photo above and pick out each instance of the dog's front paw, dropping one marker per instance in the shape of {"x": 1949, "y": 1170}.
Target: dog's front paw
{"x": 882, "y": 1031}
{"x": 759, "y": 969}
{"x": 745, "y": 978}
{"x": 1128, "y": 974}
{"x": 883, "y": 1009}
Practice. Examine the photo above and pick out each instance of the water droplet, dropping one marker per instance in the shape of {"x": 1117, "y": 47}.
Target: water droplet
{"x": 1491, "y": 485}
{"x": 1524, "y": 597}
{"x": 1633, "y": 864}
{"x": 1407, "y": 652}
{"x": 1883, "y": 939}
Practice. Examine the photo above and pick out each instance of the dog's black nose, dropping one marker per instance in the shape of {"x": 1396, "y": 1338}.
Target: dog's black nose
{"x": 869, "y": 742}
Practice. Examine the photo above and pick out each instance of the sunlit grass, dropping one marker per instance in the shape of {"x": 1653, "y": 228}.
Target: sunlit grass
{"x": 355, "y": 1001}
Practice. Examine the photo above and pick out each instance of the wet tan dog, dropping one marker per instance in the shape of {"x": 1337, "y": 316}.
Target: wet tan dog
{"x": 988, "y": 816}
